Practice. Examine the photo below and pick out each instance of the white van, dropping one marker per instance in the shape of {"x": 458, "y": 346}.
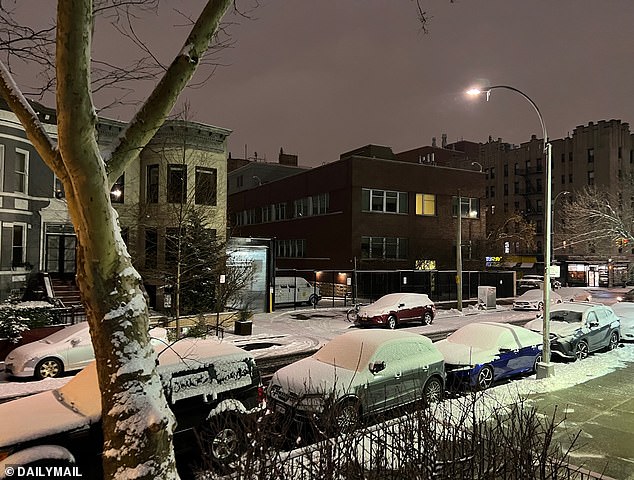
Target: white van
{"x": 295, "y": 290}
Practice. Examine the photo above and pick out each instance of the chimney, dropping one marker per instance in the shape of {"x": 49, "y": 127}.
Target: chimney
{"x": 433, "y": 142}
{"x": 287, "y": 159}
{"x": 444, "y": 140}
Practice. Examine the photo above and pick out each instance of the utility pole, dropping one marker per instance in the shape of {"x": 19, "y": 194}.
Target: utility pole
{"x": 459, "y": 256}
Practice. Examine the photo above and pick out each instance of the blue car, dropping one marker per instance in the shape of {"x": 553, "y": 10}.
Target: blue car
{"x": 479, "y": 354}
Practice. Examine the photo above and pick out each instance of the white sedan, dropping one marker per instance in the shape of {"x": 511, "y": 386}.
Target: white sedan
{"x": 625, "y": 312}
{"x": 66, "y": 350}
{"x": 534, "y": 300}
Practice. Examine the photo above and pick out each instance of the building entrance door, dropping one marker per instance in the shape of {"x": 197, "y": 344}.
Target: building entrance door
{"x": 60, "y": 250}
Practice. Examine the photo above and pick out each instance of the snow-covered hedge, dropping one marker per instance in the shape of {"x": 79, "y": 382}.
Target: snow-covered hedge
{"x": 15, "y": 318}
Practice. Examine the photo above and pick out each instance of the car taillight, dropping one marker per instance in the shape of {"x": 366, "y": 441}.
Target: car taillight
{"x": 261, "y": 394}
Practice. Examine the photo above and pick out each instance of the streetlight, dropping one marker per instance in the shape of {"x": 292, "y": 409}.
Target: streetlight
{"x": 544, "y": 368}
{"x": 552, "y": 221}
{"x": 473, "y": 164}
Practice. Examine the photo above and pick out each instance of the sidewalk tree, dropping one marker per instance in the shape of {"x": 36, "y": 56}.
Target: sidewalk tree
{"x": 512, "y": 228}
{"x": 137, "y": 422}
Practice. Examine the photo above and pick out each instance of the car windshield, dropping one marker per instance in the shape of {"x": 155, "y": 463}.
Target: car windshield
{"x": 386, "y": 301}
{"x": 65, "y": 333}
{"x": 565, "y": 316}
{"x": 475, "y": 335}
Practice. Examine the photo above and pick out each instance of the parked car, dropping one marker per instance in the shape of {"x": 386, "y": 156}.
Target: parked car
{"x": 479, "y": 354}
{"x": 66, "y": 350}
{"x": 211, "y": 387}
{"x": 295, "y": 290}
{"x": 534, "y": 300}
{"x": 625, "y": 312}
{"x": 396, "y": 308}
{"x": 574, "y": 294}
{"x": 578, "y": 329}
{"x": 359, "y": 373}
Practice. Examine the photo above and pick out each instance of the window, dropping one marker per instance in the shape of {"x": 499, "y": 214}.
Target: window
{"x": 268, "y": 214}
{"x": 307, "y": 206}
{"x": 21, "y": 171}
{"x": 591, "y": 155}
{"x": 18, "y": 253}
{"x": 492, "y": 173}
{"x": 469, "y": 207}
{"x": 383, "y": 201}
{"x": 176, "y": 183}
{"x": 563, "y": 179}
{"x": 539, "y": 205}
{"x": 151, "y": 247}
{"x": 516, "y": 168}
{"x": 506, "y": 170}
{"x": 492, "y": 192}
{"x": 590, "y": 178}
{"x": 538, "y": 184}
{"x": 570, "y": 178}
{"x": 563, "y": 158}
{"x": 516, "y": 187}
{"x": 507, "y": 247}
{"x": 570, "y": 156}
{"x": 492, "y": 209}
{"x": 280, "y": 211}
{"x": 425, "y": 204}
{"x": 206, "y": 179}
{"x": 152, "y": 184}
{"x": 506, "y": 189}
{"x": 538, "y": 165}
{"x": 239, "y": 181}
{"x": 295, "y": 248}
{"x": 384, "y": 248}
{"x": 118, "y": 189}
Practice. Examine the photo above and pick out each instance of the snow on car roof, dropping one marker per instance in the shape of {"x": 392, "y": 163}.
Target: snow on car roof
{"x": 355, "y": 348}
{"x": 485, "y": 335}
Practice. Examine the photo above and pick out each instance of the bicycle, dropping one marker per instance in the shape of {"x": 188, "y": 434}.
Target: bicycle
{"x": 351, "y": 314}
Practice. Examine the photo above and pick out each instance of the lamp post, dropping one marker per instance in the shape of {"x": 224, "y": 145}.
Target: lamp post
{"x": 552, "y": 222}
{"x": 544, "y": 368}
{"x": 459, "y": 256}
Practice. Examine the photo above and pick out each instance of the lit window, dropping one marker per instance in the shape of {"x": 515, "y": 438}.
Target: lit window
{"x": 425, "y": 204}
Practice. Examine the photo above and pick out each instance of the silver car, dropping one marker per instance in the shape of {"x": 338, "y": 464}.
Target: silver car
{"x": 357, "y": 374}
{"x": 66, "y": 350}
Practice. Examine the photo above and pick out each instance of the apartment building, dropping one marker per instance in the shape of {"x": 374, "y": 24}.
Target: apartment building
{"x": 598, "y": 154}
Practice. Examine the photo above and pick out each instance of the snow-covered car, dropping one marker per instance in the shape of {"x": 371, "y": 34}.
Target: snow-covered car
{"x": 357, "y": 374}
{"x": 211, "y": 386}
{"x": 574, "y": 294}
{"x": 625, "y": 312}
{"x": 534, "y": 300}
{"x": 66, "y": 350}
{"x": 479, "y": 354}
{"x": 578, "y": 329}
{"x": 395, "y": 308}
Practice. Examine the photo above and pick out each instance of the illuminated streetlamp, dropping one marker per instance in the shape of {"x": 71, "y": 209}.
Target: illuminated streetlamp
{"x": 544, "y": 368}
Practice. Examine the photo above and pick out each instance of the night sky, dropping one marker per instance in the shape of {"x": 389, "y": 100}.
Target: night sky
{"x": 319, "y": 78}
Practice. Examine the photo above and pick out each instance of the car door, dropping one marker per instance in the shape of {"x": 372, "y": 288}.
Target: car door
{"x": 384, "y": 389}
{"x": 506, "y": 359}
{"x": 404, "y": 309}
{"x": 599, "y": 326}
{"x": 79, "y": 351}
{"x": 414, "y": 361}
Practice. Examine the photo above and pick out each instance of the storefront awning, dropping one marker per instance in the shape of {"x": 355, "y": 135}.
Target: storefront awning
{"x": 526, "y": 265}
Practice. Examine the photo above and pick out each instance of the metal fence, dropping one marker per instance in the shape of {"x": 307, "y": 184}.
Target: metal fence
{"x": 369, "y": 285}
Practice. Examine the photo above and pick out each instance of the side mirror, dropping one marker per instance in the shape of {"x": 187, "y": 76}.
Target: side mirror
{"x": 376, "y": 367}
{"x": 505, "y": 350}
{"x": 400, "y": 305}
{"x": 594, "y": 324}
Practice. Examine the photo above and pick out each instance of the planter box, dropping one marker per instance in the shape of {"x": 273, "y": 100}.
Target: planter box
{"x": 243, "y": 327}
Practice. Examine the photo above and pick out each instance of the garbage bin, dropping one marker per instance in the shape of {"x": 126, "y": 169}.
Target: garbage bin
{"x": 243, "y": 327}
{"x": 486, "y": 297}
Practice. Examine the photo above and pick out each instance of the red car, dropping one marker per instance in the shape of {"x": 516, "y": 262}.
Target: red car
{"x": 396, "y": 308}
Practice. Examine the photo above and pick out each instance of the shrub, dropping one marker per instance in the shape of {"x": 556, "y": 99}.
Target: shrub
{"x": 15, "y": 318}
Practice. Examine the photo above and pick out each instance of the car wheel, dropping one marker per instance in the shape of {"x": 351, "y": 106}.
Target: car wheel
{"x": 581, "y": 350}
{"x": 347, "y": 416}
{"x": 614, "y": 341}
{"x": 485, "y": 377}
{"x": 221, "y": 440}
{"x": 313, "y": 299}
{"x": 49, "y": 368}
{"x": 433, "y": 391}
{"x": 427, "y": 318}
{"x": 538, "y": 360}
{"x": 392, "y": 322}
